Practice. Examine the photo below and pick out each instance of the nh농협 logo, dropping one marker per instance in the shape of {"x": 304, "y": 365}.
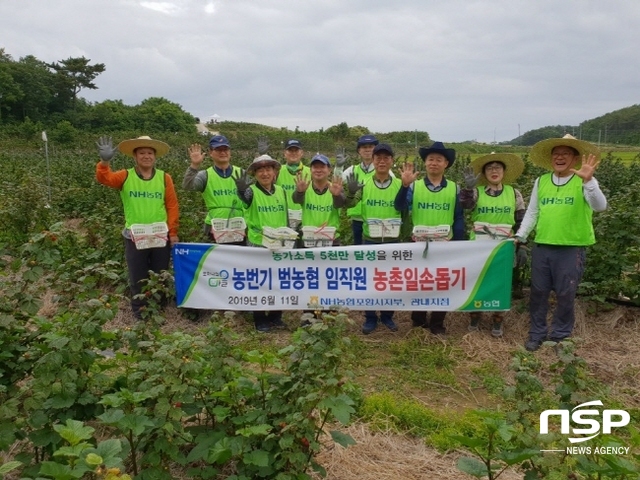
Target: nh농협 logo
{"x": 579, "y": 416}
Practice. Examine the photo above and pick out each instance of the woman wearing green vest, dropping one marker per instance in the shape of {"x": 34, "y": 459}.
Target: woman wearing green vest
{"x": 287, "y": 178}
{"x": 560, "y": 210}
{"x": 380, "y": 219}
{"x": 494, "y": 203}
{"x": 265, "y": 206}
{"x": 433, "y": 201}
{"x": 149, "y": 200}
{"x": 216, "y": 183}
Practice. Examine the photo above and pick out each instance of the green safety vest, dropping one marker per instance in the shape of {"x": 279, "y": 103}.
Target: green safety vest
{"x": 221, "y": 195}
{"x": 143, "y": 200}
{"x": 287, "y": 181}
{"x": 495, "y": 210}
{"x": 265, "y": 211}
{"x": 564, "y": 216}
{"x": 378, "y": 202}
{"x": 318, "y": 210}
{"x": 431, "y": 209}
{"x": 361, "y": 176}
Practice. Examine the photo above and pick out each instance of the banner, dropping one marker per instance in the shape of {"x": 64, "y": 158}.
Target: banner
{"x": 461, "y": 275}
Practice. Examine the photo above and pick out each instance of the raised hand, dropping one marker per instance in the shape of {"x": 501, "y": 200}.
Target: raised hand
{"x": 243, "y": 182}
{"x": 589, "y": 165}
{"x": 341, "y": 157}
{"x": 408, "y": 174}
{"x": 336, "y": 187}
{"x": 301, "y": 183}
{"x": 196, "y": 154}
{"x": 353, "y": 186}
{"x": 470, "y": 178}
{"x": 263, "y": 145}
{"x": 105, "y": 149}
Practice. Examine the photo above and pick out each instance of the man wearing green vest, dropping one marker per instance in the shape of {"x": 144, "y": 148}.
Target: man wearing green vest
{"x": 433, "y": 202}
{"x": 265, "y": 206}
{"x": 380, "y": 219}
{"x": 497, "y": 208}
{"x": 360, "y": 172}
{"x": 149, "y": 200}
{"x": 560, "y": 210}
{"x": 322, "y": 202}
{"x": 287, "y": 178}
{"x": 216, "y": 184}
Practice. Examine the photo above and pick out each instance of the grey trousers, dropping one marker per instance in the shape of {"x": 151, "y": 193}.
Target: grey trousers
{"x": 559, "y": 269}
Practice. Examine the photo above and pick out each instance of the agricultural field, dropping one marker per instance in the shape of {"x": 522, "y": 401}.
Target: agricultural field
{"x": 88, "y": 392}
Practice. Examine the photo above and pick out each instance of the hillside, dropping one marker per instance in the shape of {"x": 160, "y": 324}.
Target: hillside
{"x": 620, "y": 127}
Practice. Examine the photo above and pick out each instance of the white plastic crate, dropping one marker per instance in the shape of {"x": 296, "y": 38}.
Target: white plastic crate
{"x": 387, "y": 228}
{"x": 434, "y": 233}
{"x": 149, "y": 235}
{"x": 278, "y": 238}
{"x": 491, "y": 231}
{"x": 295, "y": 218}
{"x": 232, "y": 230}
{"x": 318, "y": 236}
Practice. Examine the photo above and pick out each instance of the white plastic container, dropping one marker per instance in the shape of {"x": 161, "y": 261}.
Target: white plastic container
{"x": 149, "y": 235}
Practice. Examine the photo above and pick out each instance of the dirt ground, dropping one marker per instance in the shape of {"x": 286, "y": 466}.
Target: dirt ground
{"x": 608, "y": 341}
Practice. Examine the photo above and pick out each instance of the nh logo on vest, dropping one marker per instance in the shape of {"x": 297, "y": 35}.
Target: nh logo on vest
{"x": 494, "y": 210}
{"x": 225, "y": 191}
{"x": 270, "y": 208}
{"x": 610, "y": 419}
{"x": 319, "y": 208}
{"x": 157, "y": 195}
{"x": 379, "y": 203}
{"x": 434, "y": 206}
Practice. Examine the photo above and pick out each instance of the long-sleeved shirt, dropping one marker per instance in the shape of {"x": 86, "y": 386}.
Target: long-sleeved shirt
{"x": 196, "y": 180}
{"x": 469, "y": 199}
{"x": 109, "y": 178}
{"x": 404, "y": 199}
{"x": 592, "y": 195}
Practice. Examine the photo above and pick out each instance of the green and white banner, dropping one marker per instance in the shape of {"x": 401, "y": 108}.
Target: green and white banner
{"x": 462, "y": 275}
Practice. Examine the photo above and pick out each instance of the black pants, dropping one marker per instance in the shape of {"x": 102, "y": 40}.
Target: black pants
{"x": 139, "y": 262}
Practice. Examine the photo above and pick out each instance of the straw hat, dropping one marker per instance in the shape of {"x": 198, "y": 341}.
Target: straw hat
{"x": 541, "y": 152}
{"x": 128, "y": 146}
{"x": 262, "y": 161}
{"x": 513, "y": 166}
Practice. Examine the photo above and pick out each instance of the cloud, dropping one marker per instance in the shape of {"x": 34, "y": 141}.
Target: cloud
{"x": 462, "y": 69}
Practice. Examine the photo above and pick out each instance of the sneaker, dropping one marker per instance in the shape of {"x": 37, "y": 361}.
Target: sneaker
{"x": 390, "y": 324}
{"x": 278, "y": 324}
{"x": 438, "y": 330}
{"x": 532, "y": 345}
{"x": 496, "y": 329}
{"x": 474, "y": 324}
{"x": 369, "y": 326}
{"x": 263, "y": 327}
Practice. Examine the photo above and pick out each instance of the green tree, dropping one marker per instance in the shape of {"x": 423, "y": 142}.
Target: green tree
{"x": 157, "y": 114}
{"x": 74, "y": 74}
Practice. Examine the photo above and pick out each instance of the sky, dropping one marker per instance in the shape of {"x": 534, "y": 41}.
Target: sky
{"x": 457, "y": 69}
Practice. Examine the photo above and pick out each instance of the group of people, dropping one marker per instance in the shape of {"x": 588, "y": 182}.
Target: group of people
{"x": 270, "y": 196}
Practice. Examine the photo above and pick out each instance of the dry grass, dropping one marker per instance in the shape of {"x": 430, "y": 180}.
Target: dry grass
{"x": 609, "y": 342}
{"x": 388, "y": 456}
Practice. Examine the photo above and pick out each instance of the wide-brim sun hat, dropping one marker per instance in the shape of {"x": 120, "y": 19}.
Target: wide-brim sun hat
{"x": 262, "y": 161}
{"x": 438, "y": 147}
{"x": 541, "y": 152}
{"x": 513, "y": 166}
{"x": 128, "y": 146}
